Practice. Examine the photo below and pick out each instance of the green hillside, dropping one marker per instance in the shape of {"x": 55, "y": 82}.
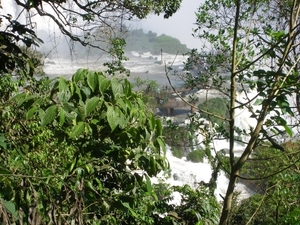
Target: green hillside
{"x": 139, "y": 41}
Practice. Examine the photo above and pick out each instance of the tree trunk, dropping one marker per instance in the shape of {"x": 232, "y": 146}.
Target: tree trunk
{"x": 228, "y": 199}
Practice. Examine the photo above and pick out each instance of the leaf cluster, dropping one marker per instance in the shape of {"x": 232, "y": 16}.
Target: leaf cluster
{"x": 13, "y": 59}
{"x": 79, "y": 149}
{"x": 276, "y": 181}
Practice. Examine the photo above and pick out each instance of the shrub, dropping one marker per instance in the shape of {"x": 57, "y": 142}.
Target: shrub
{"x": 177, "y": 152}
{"x": 196, "y": 156}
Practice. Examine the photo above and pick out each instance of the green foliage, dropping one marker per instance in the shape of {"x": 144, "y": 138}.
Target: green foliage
{"x": 216, "y": 106}
{"x": 276, "y": 180}
{"x": 179, "y": 138}
{"x": 196, "y": 206}
{"x": 3, "y": 143}
{"x": 196, "y": 156}
{"x": 138, "y": 41}
{"x": 37, "y": 59}
{"x": 177, "y": 152}
{"x": 248, "y": 207}
{"x": 74, "y": 146}
{"x": 117, "y": 52}
{"x": 81, "y": 142}
{"x": 146, "y": 88}
{"x": 13, "y": 59}
{"x": 253, "y": 44}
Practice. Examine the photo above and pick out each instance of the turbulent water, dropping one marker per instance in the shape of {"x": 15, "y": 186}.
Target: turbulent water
{"x": 145, "y": 66}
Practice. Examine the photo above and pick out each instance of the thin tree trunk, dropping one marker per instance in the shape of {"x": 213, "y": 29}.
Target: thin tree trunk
{"x": 233, "y": 175}
{"x": 228, "y": 200}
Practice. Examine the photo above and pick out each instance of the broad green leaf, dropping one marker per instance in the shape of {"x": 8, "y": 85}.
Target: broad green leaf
{"x": 72, "y": 165}
{"x": 148, "y": 184}
{"x": 288, "y": 130}
{"x": 54, "y": 87}
{"x": 90, "y": 185}
{"x": 142, "y": 118}
{"x": 116, "y": 87}
{"x": 18, "y": 97}
{"x": 25, "y": 98}
{"x": 103, "y": 84}
{"x": 122, "y": 104}
{"x": 77, "y": 129}
{"x": 62, "y": 116}
{"x": 79, "y": 75}
{"x": 100, "y": 187}
{"x": 152, "y": 122}
{"x": 258, "y": 101}
{"x": 2, "y": 141}
{"x": 4, "y": 170}
{"x": 68, "y": 106}
{"x": 86, "y": 91}
{"x": 122, "y": 119}
{"x": 88, "y": 129}
{"x": 129, "y": 208}
{"x": 162, "y": 145}
{"x": 128, "y": 104}
{"x": 49, "y": 115}
{"x": 89, "y": 168}
{"x": 127, "y": 88}
{"x": 31, "y": 112}
{"x": 91, "y": 104}
{"x": 77, "y": 92}
{"x": 64, "y": 95}
{"x": 92, "y": 80}
{"x": 72, "y": 116}
{"x": 112, "y": 117}
{"x": 62, "y": 85}
{"x": 10, "y": 207}
{"x": 158, "y": 128}
{"x": 153, "y": 166}
{"x": 38, "y": 101}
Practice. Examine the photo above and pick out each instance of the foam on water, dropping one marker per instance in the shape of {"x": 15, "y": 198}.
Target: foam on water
{"x": 186, "y": 172}
{"x": 182, "y": 171}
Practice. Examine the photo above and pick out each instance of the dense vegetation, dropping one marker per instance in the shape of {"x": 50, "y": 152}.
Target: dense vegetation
{"x": 277, "y": 193}
{"x": 84, "y": 150}
{"x": 256, "y": 45}
{"x": 179, "y": 138}
{"x": 139, "y": 41}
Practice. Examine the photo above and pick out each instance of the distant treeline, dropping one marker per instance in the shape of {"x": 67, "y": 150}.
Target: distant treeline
{"x": 139, "y": 41}
{"x": 136, "y": 40}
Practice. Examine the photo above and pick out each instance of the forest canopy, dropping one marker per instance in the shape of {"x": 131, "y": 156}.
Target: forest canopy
{"x": 138, "y": 40}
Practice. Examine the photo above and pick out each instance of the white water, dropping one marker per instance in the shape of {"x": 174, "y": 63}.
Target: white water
{"x": 184, "y": 172}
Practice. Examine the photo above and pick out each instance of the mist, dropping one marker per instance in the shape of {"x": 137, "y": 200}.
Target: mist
{"x": 180, "y": 25}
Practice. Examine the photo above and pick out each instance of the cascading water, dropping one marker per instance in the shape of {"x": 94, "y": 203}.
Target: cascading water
{"x": 186, "y": 172}
{"x": 183, "y": 171}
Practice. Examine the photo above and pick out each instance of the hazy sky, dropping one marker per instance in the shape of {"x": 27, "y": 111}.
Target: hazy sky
{"x": 180, "y": 25}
